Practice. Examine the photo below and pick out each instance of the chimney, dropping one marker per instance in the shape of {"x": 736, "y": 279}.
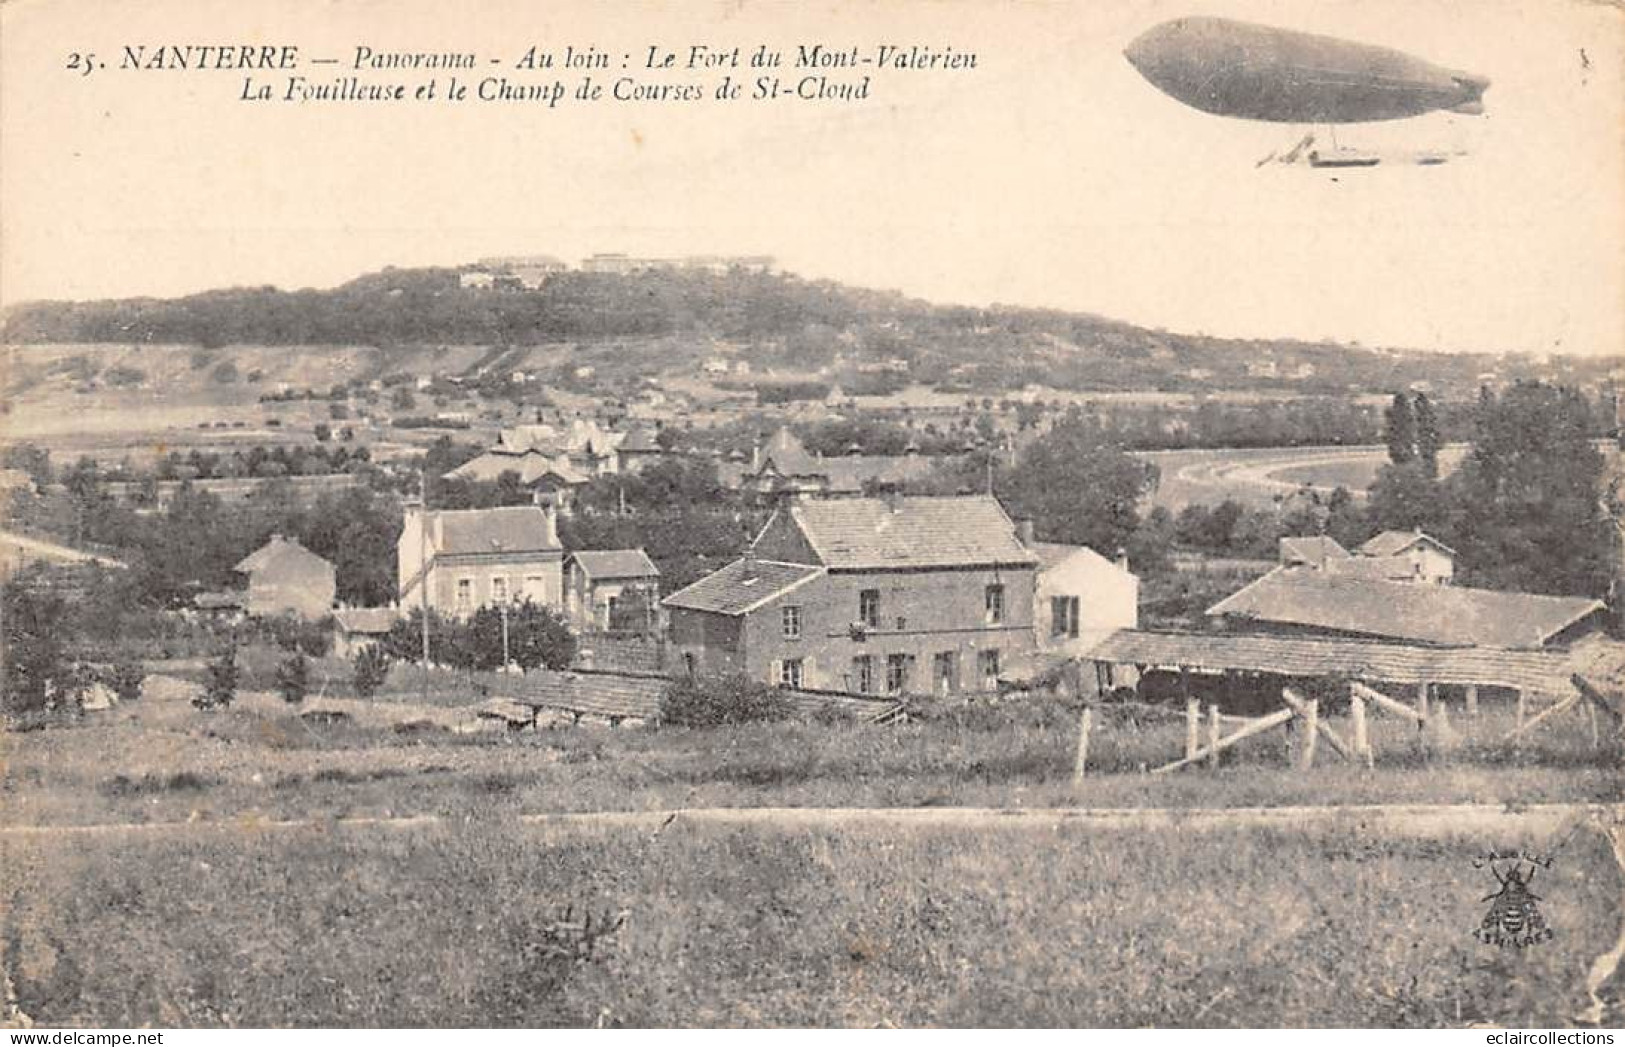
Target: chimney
{"x": 550, "y": 516}
{"x": 1122, "y": 558}
{"x": 750, "y": 561}
{"x": 894, "y": 498}
{"x": 1024, "y": 531}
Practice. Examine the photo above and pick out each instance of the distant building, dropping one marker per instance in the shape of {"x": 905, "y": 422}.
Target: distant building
{"x": 357, "y": 628}
{"x": 476, "y": 280}
{"x": 471, "y": 558}
{"x": 640, "y": 448}
{"x": 286, "y": 578}
{"x": 1426, "y": 558}
{"x": 603, "y": 586}
{"x": 866, "y": 595}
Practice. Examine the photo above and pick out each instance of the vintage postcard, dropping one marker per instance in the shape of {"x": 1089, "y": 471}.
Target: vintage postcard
{"x": 971, "y": 513}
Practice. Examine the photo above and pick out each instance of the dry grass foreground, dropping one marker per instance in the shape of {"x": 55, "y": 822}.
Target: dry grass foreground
{"x": 1016, "y": 923}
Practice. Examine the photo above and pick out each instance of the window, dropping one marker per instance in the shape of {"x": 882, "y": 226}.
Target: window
{"x": 790, "y": 672}
{"x": 1063, "y": 616}
{"x": 869, "y": 608}
{"x": 995, "y": 604}
{"x": 863, "y": 673}
{"x": 536, "y": 588}
{"x": 945, "y": 672}
{"x": 790, "y": 619}
{"x": 499, "y": 590}
{"x": 465, "y": 593}
{"x": 988, "y": 662}
{"x": 896, "y": 673}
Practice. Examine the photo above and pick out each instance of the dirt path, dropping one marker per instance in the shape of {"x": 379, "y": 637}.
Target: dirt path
{"x": 1402, "y": 820}
{"x": 21, "y": 547}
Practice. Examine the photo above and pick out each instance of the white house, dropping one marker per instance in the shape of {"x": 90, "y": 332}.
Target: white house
{"x": 472, "y": 558}
{"x": 1081, "y": 597}
{"x": 1426, "y": 558}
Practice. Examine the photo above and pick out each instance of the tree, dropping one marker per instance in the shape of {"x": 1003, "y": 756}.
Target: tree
{"x": 220, "y": 681}
{"x": 1075, "y": 488}
{"x": 293, "y": 678}
{"x": 1406, "y": 497}
{"x": 371, "y": 670}
{"x": 125, "y": 677}
{"x": 39, "y": 675}
{"x": 536, "y": 636}
{"x": 1399, "y": 430}
{"x": 1427, "y": 434}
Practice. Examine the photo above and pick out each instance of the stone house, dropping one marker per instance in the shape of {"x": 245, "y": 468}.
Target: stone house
{"x": 286, "y": 578}
{"x": 866, "y": 595}
{"x": 599, "y": 584}
{"x": 472, "y": 558}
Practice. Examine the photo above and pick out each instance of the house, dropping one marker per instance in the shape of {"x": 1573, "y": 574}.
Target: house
{"x": 603, "y": 586}
{"x": 1428, "y": 559}
{"x": 1302, "y": 601}
{"x": 477, "y": 280}
{"x": 357, "y": 628}
{"x": 866, "y": 595}
{"x": 550, "y": 478}
{"x": 1314, "y": 551}
{"x": 637, "y": 450}
{"x": 1080, "y": 596}
{"x": 286, "y": 578}
{"x": 784, "y": 466}
{"x": 458, "y": 560}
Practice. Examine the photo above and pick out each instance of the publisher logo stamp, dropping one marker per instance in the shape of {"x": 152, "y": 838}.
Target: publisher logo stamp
{"x": 1514, "y": 919}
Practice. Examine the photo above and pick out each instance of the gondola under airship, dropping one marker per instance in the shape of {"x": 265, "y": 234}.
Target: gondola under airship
{"x": 1257, "y": 72}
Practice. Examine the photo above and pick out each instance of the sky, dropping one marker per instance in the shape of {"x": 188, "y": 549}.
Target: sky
{"x": 1051, "y": 175}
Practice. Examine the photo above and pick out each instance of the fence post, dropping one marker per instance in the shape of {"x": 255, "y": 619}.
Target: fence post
{"x": 1472, "y": 699}
{"x": 1311, "y": 734}
{"x": 1362, "y": 740}
{"x": 1193, "y": 728}
{"x": 1213, "y": 732}
{"x": 1086, "y": 723}
{"x": 1422, "y": 702}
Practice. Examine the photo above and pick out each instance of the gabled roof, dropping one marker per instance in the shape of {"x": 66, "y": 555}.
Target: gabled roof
{"x": 508, "y": 529}
{"x": 640, "y": 440}
{"x": 1444, "y": 614}
{"x": 604, "y": 564}
{"x": 1392, "y": 543}
{"x": 530, "y": 465}
{"x": 789, "y": 456}
{"x": 1053, "y": 554}
{"x": 1317, "y": 549}
{"x": 741, "y": 586}
{"x": 279, "y": 554}
{"x": 878, "y": 534}
{"x": 368, "y": 621}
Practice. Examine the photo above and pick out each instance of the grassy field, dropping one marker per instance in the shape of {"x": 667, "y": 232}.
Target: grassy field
{"x": 860, "y": 926}
{"x": 161, "y": 760}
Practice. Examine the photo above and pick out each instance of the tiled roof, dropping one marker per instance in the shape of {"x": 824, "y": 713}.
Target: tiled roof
{"x": 640, "y": 440}
{"x": 530, "y": 466}
{"x": 1316, "y": 550}
{"x": 1052, "y": 554}
{"x": 370, "y": 621}
{"x": 789, "y": 456}
{"x": 1443, "y": 614}
{"x": 615, "y": 563}
{"x": 277, "y": 554}
{"x": 868, "y": 533}
{"x": 1353, "y": 659}
{"x": 1391, "y": 543}
{"x": 741, "y": 585}
{"x": 610, "y": 695}
{"x": 1380, "y": 568}
{"x": 508, "y": 529}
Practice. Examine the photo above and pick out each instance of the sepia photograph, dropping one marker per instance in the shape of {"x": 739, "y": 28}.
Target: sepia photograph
{"x": 746, "y": 514}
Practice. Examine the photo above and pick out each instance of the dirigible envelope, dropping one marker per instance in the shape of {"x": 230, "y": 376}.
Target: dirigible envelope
{"x": 1257, "y": 72}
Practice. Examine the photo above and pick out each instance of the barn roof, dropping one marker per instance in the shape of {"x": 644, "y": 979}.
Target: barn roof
{"x": 1545, "y": 671}
{"x": 1316, "y": 549}
{"x": 878, "y": 533}
{"x": 741, "y": 586}
{"x": 1418, "y": 612}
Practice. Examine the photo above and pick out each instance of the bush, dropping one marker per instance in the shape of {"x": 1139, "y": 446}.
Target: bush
{"x": 720, "y": 700}
{"x": 293, "y": 678}
{"x": 371, "y": 669}
{"x": 125, "y": 678}
{"x": 220, "y": 682}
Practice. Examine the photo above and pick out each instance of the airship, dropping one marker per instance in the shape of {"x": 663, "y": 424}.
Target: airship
{"x": 1258, "y": 72}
